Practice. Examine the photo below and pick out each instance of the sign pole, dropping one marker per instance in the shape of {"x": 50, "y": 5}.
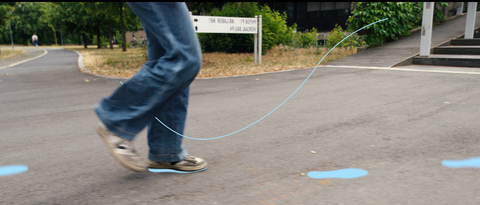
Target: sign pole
{"x": 255, "y": 45}
{"x": 260, "y": 40}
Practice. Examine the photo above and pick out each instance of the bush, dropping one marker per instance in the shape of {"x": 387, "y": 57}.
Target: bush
{"x": 337, "y": 34}
{"x": 304, "y": 39}
{"x": 401, "y": 18}
{"x": 144, "y": 53}
{"x": 437, "y": 13}
{"x": 274, "y": 30}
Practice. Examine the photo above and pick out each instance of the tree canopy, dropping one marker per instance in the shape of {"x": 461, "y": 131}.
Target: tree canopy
{"x": 90, "y": 22}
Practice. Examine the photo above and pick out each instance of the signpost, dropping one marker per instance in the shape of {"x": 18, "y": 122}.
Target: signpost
{"x": 237, "y": 25}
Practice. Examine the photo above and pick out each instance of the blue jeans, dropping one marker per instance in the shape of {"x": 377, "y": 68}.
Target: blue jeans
{"x": 161, "y": 87}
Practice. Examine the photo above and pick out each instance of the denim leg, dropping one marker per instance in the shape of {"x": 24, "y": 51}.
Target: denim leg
{"x": 160, "y": 87}
{"x": 166, "y": 146}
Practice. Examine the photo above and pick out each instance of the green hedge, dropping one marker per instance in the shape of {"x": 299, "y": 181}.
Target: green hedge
{"x": 337, "y": 34}
{"x": 402, "y": 16}
{"x": 304, "y": 39}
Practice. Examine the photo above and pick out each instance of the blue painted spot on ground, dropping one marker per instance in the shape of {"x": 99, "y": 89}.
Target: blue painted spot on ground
{"x": 12, "y": 170}
{"x": 341, "y": 173}
{"x": 174, "y": 171}
{"x": 465, "y": 163}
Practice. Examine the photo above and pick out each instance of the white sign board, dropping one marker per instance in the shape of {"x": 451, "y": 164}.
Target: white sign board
{"x": 220, "y": 24}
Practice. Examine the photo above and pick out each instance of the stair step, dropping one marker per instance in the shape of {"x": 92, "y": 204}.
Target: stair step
{"x": 457, "y": 50}
{"x": 448, "y": 60}
{"x": 465, "y": 42}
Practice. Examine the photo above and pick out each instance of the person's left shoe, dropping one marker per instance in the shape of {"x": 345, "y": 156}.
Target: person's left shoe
{"x": 189, "y": 163}
{"x": 121, "y": 149}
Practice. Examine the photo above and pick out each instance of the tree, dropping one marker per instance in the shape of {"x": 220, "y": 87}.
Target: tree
{"x": 25, "y": 22}
{"x": 5, "y": 11}
{"x": 5, "y": 14}
{"x": 124, "y": 45}
{"x": 78, "y": 20}
{"x": 50, "y": 17}
{"x": 203, "y": 8}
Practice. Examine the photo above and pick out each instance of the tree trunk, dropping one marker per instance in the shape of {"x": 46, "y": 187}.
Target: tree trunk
{"x": 122, "y": 28}
{"x": 55, "y": 34}
{"x": 85, "y": 41}
{"x": 110, "y": 34}
{"x": 99, "y": 43}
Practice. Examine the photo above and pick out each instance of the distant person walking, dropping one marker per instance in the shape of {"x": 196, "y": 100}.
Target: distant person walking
{"x": 35, "y": 40}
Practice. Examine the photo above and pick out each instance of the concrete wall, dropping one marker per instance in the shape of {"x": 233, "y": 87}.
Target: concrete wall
{"x": 451, "y": 9}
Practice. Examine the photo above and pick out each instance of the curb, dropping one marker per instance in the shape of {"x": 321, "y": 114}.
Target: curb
{"x": 24, "y": 61}
{"x": 83, "y": 69}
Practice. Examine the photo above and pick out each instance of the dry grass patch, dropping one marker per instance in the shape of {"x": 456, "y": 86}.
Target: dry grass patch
{"x": 9, "y": 53}
{"x": 112, "y": 62}
{"x": 278, "y": 58}
{"x": 126, "y": 64}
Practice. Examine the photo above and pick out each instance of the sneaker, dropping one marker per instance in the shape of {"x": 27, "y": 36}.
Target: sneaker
{"x": 121, "y": 149}
{"x": 189, "y": 163}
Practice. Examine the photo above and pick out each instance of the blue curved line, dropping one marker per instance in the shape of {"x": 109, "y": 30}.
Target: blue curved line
{"x": 192, "y": 138}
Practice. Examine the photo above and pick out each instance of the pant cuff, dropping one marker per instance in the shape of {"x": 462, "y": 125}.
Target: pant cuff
{"x": 168, "y": 157}
{"x": 101, "y": 115}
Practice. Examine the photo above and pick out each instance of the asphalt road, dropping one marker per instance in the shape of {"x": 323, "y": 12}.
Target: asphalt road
{"x": 397, "y": 125}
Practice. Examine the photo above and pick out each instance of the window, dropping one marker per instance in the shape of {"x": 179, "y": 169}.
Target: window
{"x": 330, "y": 13}
{"x": 313, "y": 15}
{"x": 301, "y": 11}
{"x": 342, "y": 5}
{"x": 313, "y": 6}
{"x": 327, "y": 6}
{"x": 343, "y": 12}
{"x": 290, "y": 10}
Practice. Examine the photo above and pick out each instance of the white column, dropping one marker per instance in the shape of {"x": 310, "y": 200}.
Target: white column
{"x": 260, "y": 40}
{"x": 255, "y": 49}
{"x": 460, "y": 10}
{"x": 426, "y": 35}
{"x": 470, "y": 25}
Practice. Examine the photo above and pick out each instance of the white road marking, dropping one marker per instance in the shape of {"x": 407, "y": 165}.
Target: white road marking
{"x": 14, "y": 64}
{"x": 404, "y": 69}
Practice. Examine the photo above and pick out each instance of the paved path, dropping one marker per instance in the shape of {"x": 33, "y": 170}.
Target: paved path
{"x": 29, "y": 53}
{"x": 394, "y": 52}
{"x": 397, "y": 124}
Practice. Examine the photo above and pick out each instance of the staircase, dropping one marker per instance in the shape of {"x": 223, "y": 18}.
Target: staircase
{"x": 458, "y": 52}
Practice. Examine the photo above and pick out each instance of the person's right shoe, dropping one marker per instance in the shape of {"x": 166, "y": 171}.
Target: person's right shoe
{"x": 121, "y": 149}
{"x": 189, "y": 163}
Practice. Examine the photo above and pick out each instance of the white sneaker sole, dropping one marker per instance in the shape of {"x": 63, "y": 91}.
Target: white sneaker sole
{"x": 179, "y": 168}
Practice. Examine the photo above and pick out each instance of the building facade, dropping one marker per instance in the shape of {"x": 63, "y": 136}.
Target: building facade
{"x": 321, "y": 15}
